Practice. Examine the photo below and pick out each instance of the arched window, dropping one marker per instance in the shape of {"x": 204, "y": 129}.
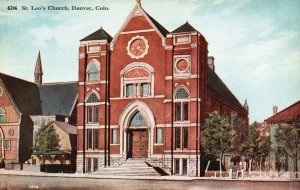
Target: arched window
{"x": 93, "y": 71}
{"x": 138, "y": 120}
{"x": 181, "y": 114}
{"x": 181, "y": 105}
{"x": 2, "y": 115}
{"x": 181, "y": 94}
{"x": 92, "y": 108}
{"x": 92, "y": 98}
{"x": 137, "y": 80}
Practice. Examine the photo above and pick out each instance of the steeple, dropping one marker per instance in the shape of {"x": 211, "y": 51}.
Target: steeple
{"x": 246, "y": 105}
{"x": 38, "y": 71}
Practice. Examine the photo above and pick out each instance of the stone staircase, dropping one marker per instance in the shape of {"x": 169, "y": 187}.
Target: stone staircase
{"x": 132, "y": 167}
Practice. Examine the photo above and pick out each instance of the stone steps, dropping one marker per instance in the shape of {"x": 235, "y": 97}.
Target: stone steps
{"x": 132, "y": 167}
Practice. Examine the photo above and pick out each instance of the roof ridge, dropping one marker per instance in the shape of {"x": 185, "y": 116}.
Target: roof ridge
{"x": 17, "y": 78}
{"x": 215, "y": 74}
{"x": 57, "y": 83}
{"x": 99, "y": 34}
{"x": 283, "y": 110}
{"x": 186, "y": 27}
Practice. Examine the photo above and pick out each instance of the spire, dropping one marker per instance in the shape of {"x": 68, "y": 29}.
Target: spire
{"x": 246, "y": 105}
{"x": 138, "y": 2}
{"x": 38, "y": 71}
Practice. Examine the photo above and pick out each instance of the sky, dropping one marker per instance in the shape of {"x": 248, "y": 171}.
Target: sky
{"x": 255, "y": 43}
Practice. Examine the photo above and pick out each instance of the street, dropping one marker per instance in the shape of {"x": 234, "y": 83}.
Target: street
{"x": 61, "y": 182}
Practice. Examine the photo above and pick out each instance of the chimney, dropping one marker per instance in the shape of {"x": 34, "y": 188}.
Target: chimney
{"x": 275, "y": 108}
{"x": 210, "y": 62}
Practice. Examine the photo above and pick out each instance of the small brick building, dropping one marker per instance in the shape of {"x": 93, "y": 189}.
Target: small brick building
{"x": 145, "y": 94}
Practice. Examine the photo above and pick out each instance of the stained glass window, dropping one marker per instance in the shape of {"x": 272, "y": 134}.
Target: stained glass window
{"x": 93, "y": 73}
{"x": 181, "y": 94}
{"x": 138, "y": 120}
{"x": 92, "y": 98}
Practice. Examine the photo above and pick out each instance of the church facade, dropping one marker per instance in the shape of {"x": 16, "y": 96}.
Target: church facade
{"x": 145, "y": 93}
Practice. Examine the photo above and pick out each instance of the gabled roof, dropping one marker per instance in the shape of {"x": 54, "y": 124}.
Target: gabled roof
{"x": 100, "y": 34}
{"x": 162, "y": 29}
{"x": 58, "y": 98}
{"x": 156, "y": 25}
{"x": 286, "y": 115}
{"x": 69, "y": 129}
{"x": 186, "y": 27}
{"x": 216, "y": 85}
{"x": 25, "y": 95}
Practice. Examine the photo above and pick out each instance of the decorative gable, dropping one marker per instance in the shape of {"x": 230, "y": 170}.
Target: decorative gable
{"x": 139, "y": 21}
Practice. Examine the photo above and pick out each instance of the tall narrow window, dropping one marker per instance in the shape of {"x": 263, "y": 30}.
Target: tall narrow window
{"x": 89, "y": 165}
{"x": 177, "y": 111}
{"x": 93, "y": 72}
{"x": 181, "y": 138}
{"x": 92, "y": 110}
{"x": 6, "y": 144}
{"x": 177, "y": 137}
{"x": 145, "y": 89}
{"x": 90, "y": 114}
{"x": 159, "y": 135}
{"x": 114, "y": 138}
{"x": 181, "y": 105}
{"x": 177, "y": 166}
{"x": 95, "y": 138}
{"x": 129, "y": 90}
{"x": 185, "y": 140}
{"x": 2, "y": 115}
{"x": 184, "y": 167}
{"x": 95, "y": 164}
{"x": 92, "y": 139}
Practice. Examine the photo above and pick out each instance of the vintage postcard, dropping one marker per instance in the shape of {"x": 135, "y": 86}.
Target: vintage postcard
{"x": 149, "y": 94}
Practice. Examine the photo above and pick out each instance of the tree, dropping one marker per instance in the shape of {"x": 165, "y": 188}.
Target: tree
{"x": 288, "y": 141}
{"x": 253, "y": 147}
{"x": 239, "y": 125}
{"x": 263, "y": 150}
{"x": 46, "y": 140}
{"x": 249, "y": 148}
{"x": 217, "y": 135}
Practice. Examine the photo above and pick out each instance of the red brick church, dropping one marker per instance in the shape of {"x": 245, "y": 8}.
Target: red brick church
{"x": 145, "y": 93}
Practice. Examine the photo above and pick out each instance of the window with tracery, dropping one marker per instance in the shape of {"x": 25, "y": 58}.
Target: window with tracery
{"x": 93, "y": 71}
{"x": 92, "y": 108}
{"x": 181, "y": 105}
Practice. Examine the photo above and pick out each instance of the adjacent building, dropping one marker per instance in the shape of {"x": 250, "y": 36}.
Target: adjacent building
{"x": 64, "y": 159}
{"x": 26, "y": 107}
{"x": 18, "y": 100}
{"x": 286, "y": 116}
{"x": 145, "y": 93}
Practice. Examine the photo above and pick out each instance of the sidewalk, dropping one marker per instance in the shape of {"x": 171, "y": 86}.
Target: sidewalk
{"x": 167, "y": 178}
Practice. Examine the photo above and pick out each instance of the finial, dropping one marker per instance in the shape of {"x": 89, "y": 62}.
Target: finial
{"x": 138, "y": 2}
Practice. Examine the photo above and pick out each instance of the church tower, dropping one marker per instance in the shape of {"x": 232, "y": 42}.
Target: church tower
{"x": 38, "y": 71}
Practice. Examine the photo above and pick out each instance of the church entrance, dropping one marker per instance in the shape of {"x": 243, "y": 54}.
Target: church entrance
{"x": 137, "y": 137}
{"x": 138, "y": 143}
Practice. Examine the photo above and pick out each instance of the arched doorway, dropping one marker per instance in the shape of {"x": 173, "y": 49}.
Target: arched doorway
{"x": 136, "y": 126}
{"x": 137, "y": 146}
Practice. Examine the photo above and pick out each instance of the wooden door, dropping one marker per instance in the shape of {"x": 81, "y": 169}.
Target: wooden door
{"x": 139, "y": 144}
